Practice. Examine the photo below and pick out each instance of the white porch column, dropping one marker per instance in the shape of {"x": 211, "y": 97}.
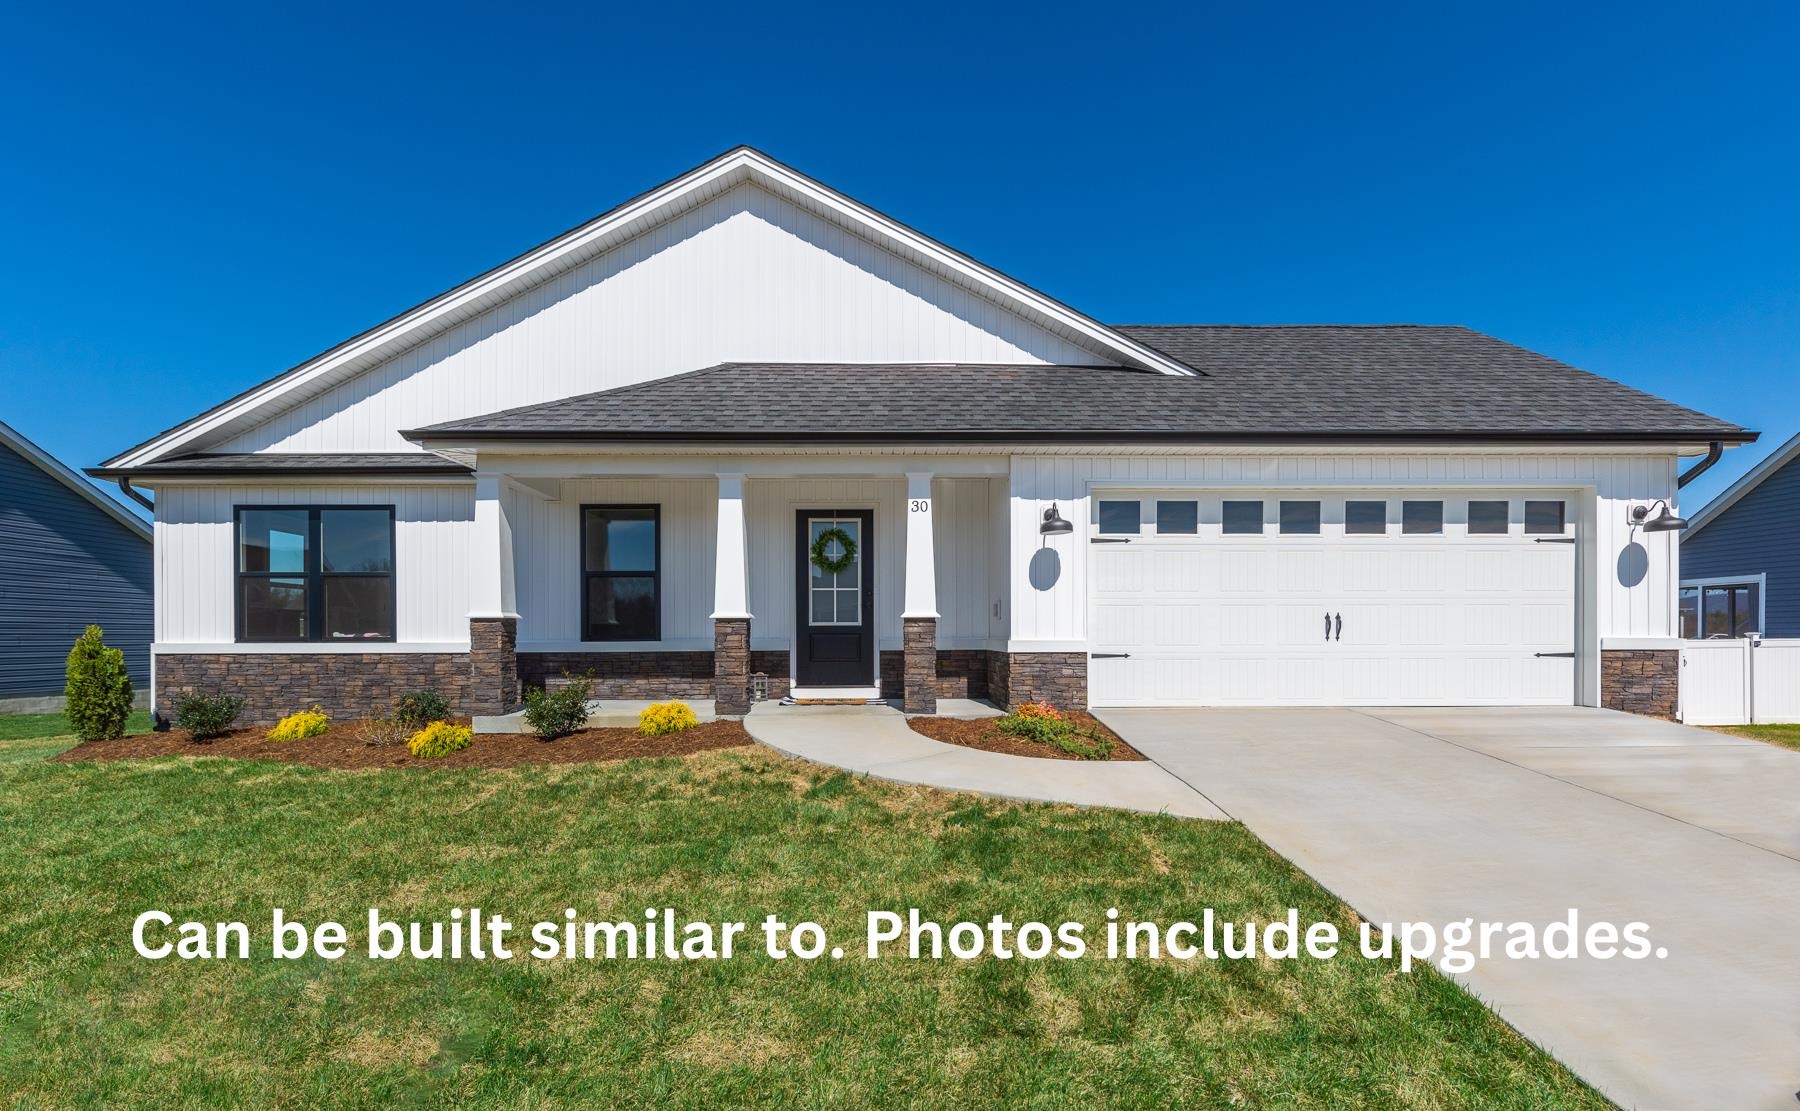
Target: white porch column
{"x": 731, "y": 573}
{"x": 492, "y": 592}
{"x": 918, "y": 620}
{"x": 921, "y": 555}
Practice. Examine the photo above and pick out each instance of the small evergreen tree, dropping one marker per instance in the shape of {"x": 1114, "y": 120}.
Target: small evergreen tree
{"x": 98, "y": 691}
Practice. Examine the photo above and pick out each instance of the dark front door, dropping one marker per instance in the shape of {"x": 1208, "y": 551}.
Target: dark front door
{"x": 834, "y": 620}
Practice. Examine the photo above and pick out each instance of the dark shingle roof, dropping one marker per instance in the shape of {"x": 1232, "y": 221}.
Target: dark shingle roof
{"x": 392, "y": 463}
{"x": 1259, "y": 383}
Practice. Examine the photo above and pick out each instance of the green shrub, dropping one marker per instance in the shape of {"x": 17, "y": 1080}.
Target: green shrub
{"x": 1059, "y": 733}
{"x": 98, "y": 690}
{"x": 381, "y": 732}
{"x": 666, "y": 717}
{"x": 417, "y": 708}
{"x": 440, "y": 738}
{"x": 557, "y": 713}
{"x": 206, "y": 716}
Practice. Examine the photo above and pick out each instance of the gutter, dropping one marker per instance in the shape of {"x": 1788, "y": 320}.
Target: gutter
{"x": 131, "y": 492}
{"x": 1713, "y": 453}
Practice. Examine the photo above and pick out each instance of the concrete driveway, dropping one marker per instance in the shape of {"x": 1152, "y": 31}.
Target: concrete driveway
{"x": 1521, "y": 814}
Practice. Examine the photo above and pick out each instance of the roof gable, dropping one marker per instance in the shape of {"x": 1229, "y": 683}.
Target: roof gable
{"x": 55, "y": 468}
{"x": 672, "y": 202}
{"x": 1785, "y": 455}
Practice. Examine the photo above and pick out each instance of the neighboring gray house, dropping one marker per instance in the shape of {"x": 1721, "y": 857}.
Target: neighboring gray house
{"x": 1740, "y": 558}
{"x": 72, "y": 557}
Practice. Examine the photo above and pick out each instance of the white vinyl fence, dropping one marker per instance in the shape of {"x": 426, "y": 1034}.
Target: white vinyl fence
{"x": 1740, "y": 682}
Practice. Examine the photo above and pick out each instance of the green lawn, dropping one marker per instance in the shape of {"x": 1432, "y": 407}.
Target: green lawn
{"x": 725, "y": 835}
{"x": 36, "y": 736}
{"x": 1787, "y": 736}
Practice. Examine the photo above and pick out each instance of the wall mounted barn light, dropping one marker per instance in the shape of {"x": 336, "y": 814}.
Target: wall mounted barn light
{"x": 1666, "y": 521}
{"x": 1054, "y": 525}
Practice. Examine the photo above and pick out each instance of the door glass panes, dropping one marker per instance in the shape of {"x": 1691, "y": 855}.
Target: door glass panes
{"x": 1365, "y": 518}
{"x": 1422, "y": 518}
{"x": 1544, "y": 517}
{"x": 1177, "y": 518}
{"x": 1300, "y": 517}
{"x": 1690, "y": 612}
{"x": 836, "y": 596}
{"x": 1119, "y": 516}
{"x": 1241, "y": 518}
{"x": 1487, "y": 518}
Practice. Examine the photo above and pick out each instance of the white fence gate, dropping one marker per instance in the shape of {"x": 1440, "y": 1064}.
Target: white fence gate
{"x": 1740, "y": 682}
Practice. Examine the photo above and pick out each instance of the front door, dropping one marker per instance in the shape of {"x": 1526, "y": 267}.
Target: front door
{"x": 834, "y": 619}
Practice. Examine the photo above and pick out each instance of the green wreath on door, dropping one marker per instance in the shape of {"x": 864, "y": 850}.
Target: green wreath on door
{"x": 821, "y": 551}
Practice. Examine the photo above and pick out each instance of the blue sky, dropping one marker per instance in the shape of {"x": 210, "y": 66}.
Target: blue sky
{"x": 195, "y": 200}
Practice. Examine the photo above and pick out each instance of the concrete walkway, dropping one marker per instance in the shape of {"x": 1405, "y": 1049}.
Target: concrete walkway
{"x": 876, "y": 741}
{"x": 1518, "y": 815}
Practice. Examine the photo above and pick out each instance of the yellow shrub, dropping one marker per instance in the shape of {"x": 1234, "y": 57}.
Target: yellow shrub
{"x": 306, "y": 723}
{"x": 440, "y": 738}
{"x": 666, "y": 717}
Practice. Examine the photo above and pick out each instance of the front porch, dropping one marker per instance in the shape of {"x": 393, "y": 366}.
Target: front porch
{"x": 693, "y": 578}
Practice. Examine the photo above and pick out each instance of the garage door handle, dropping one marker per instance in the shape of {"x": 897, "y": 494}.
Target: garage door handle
{"x": 1339, "y": 635}
{"x": 1109, "y": 655}
{"x": 1554, "y": 655}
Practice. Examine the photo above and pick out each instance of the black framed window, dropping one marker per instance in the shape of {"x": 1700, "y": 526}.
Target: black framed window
{"x": 315, "y": 573}
{"x": 621, "y": 572}
{"x": 1717, "y": 610}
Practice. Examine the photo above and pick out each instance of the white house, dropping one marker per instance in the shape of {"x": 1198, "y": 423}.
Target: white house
{"x": 627, "y": 451}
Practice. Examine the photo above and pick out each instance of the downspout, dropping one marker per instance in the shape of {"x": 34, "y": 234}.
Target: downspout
{"x": 1713, "y": 452}
{"x": 129, "y": 491}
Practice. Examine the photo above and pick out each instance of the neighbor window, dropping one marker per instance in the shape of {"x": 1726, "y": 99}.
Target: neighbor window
{"x": 1300, "y": 517}
{"x": 1119, "y": 516}
{"x": 315, "y": 573}
{"x": 1365, "y": 518}
{"x": 1242, "y": 518}
{"x": 1716, "y": 610}
{"x": 1544, "y": 517}
{"x": 621, "y": 593}
{"x": 1487, "y": 518}
{"x": 1422, "y": 517}
{"x": 1177, "y": 517}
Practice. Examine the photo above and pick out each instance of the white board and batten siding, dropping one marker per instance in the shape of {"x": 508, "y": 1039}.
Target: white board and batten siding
{"x": 746, "y": 276}
{"x": 1622, "y": 581}
{"x": 196, "y": 571}
{"x": 1740, "y": 682}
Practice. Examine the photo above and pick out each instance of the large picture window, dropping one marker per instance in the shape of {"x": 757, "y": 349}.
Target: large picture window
{"x": 315, "y": 573}
{"x": 1716, "y": 610}
{"x": 621, "y": 565}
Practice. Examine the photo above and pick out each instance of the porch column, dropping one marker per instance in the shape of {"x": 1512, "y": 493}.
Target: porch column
{"x": 731, "y": 602}
{"x": 918, "y": 619}
{"x": 493, "y": 603}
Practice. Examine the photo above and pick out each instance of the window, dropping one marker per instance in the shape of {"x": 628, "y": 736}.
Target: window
{"x": 315, "y": 573}
{"x": 1365, "y": 518}
{"x": 1715, "y": 610}
{"x": 836, "y": 596}
{"x": 1422, "y": 518}
{"x": 1544, "y": 517}
{"x": 1119, "y": 516}
{"x": 621, "y": 565}
{"x": 1300, "y": 517}
{"x": 1242, "y": 518}
{"x": 1177, "y": 517}
{"x": 1487, "y": 518}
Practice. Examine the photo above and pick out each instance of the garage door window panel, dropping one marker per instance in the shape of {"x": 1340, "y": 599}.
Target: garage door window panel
{"x": 1548, "y": 518}
{"x": 1300, "y": 518}
{"x": 1242, "y": 518}
{"x": 1177, "y": 518}
{"x": 1365, "y": 518}
{"x": 1488, "y": 518}
{"x": 1119, "y": 518}
{"x": 1422, "y": 518}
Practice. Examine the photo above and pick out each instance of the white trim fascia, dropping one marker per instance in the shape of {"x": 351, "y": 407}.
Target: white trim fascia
{"x": 622, "y": 224}
{"x": 466, "y": 451}
{"x": 318, "y": 479}
{"x": 307, "y": 648}
{"x": 1751, "y": 479}
{"x": 66, "y": 475}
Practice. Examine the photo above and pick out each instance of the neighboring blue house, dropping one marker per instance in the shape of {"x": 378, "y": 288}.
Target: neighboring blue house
{"x": 1740, "y": 558}
{"x": 72, "y": 557}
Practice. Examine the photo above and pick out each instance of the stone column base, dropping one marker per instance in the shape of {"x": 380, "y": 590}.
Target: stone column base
{"x": 731, "y": 665}
{"x": 919, "y": 669}
{"x": 1641, "y": 681}
{"x": 1057, "y": 677}
{"x": 493, "y": 665}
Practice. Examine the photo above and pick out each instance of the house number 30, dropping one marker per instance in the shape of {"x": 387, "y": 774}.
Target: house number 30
{"x": 919, "y": 505}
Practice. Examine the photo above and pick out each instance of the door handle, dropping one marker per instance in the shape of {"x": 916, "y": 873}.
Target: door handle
{"x": 1339, "y": 635}
{"x": 1328, "y": 626}
{"x": 1109, "y": 655}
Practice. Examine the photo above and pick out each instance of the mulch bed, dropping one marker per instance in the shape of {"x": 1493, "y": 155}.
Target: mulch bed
{"x": 340, "y": 747}
{"x": 982, "y": 733}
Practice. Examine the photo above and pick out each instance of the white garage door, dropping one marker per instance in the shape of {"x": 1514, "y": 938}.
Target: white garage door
{"x": 1288, "y": 598}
